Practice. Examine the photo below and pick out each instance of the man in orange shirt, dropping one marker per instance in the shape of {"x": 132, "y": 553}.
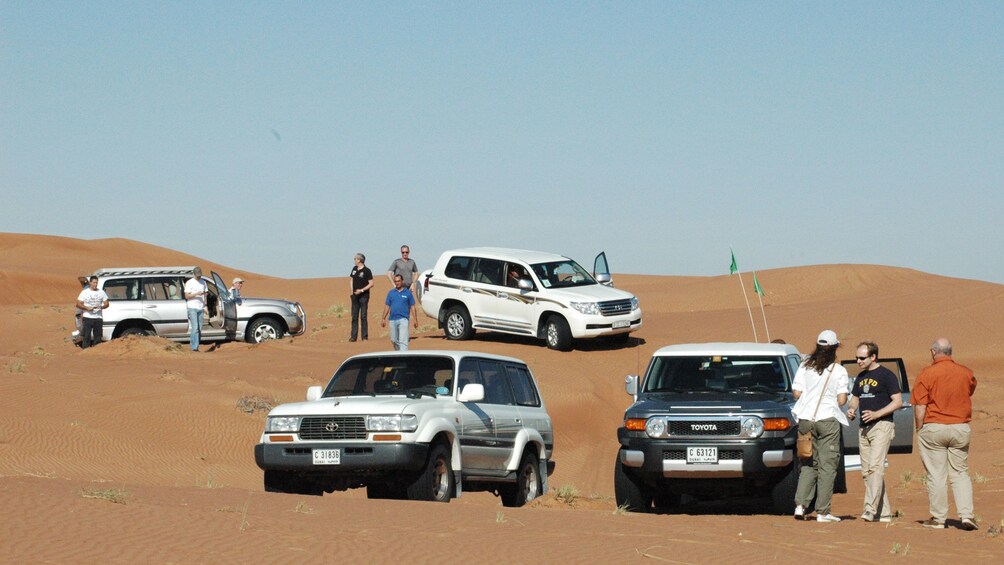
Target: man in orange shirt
{"x": 942, "y": 411}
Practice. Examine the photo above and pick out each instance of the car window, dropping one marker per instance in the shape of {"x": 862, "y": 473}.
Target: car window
{"x": 522, "y": 385}
{"x": 469, "y": 373}
{"x": 488, "y": 271}
{"x": 514, "y": 273}
{"x": 122, "y": 289}
{"x": 724, "y": 373}
{"x": 459, "y": 267}
{"x": 497, "y": 389}
{"x": 391, "y": 375}
{"x": 163, "y": 288}
{"x": 560, "y": 274}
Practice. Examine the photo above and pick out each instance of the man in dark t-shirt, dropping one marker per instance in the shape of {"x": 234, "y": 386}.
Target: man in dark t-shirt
{"x": 361, "y": 282}
{"x": 877, "y": 394}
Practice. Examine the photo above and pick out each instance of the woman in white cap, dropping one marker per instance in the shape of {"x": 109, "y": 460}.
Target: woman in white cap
{"x": 820, "y": 387}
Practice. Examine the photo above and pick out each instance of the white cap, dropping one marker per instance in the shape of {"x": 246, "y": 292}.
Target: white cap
{"x": 827, "y": 337}
{"x": 238, "y": 280}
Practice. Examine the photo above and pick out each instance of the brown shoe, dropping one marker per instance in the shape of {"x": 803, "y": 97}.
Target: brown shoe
{"x": 932, "y": 523}
{"x": 969, "y": 525}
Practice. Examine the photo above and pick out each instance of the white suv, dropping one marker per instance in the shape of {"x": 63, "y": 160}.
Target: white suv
{"x": 418, "y": 425}
{"x": 543, "y": 295}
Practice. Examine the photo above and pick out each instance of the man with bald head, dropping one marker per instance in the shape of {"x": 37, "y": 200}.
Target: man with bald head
{"x": 942, "y": 409}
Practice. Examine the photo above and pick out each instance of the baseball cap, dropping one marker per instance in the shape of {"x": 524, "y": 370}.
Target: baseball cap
{"x": 238, "y": 280}
{"x": 827, "y": 337}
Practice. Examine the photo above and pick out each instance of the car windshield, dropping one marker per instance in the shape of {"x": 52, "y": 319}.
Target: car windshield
{"x": 393, "y": 375}
{"x": 562, "y": 274}
{"x": 719, "y": 373}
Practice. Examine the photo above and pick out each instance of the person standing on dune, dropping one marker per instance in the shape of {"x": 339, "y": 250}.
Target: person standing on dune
{"x": 91, "y": 302}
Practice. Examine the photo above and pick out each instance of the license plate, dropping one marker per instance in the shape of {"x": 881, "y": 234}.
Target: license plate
{"x": 620, "y": 324}
{"x": 702, "y": 455}
{"x": 327, "y": 456}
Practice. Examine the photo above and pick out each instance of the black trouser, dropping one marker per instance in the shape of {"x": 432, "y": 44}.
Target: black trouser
{"x": 360, "y": 304}
{"x": 91, "y": 330}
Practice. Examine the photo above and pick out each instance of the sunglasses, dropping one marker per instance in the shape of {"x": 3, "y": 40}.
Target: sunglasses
{"x": 859, "y": 358}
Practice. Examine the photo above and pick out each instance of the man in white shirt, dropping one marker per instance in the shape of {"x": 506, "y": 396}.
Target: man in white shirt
{"x": 91, "y": 302}
{"x": 195, "y": 294}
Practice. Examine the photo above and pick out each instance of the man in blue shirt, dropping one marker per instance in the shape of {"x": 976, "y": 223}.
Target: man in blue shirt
{"x": 399, "y": 307}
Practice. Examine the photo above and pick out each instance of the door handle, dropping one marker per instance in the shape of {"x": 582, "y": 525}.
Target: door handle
{"x": 467, "y": 289}
{"x": 150, "y": 306}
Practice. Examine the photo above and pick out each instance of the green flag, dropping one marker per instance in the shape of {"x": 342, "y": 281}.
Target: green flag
{"x": 756, "y": 286}
{"x": 733, "y": 267}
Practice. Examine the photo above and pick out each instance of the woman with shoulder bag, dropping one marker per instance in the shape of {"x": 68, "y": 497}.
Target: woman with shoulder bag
{"x": 820, "y": 388}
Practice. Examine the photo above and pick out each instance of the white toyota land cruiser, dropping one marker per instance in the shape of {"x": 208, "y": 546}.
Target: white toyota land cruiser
{"x": 418, "y": 425}
{"x": 543, "y": 295}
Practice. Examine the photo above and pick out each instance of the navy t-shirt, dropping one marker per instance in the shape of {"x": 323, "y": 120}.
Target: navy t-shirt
{"x": 874, "y": 390}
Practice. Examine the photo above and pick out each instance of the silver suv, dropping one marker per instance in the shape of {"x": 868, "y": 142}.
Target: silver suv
{"x": 151, "y": 301}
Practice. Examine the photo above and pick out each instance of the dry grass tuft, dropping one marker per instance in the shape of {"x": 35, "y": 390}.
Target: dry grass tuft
{"x": 251, "y": 404}
{"x": 16, "y": 366}
{"x": 567, "y": 494}
{"x": 114, "y": 495}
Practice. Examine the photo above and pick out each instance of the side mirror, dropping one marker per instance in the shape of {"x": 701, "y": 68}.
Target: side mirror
{"x": 525, "y": 284}
{"x": 604, "y": 278}
{"x": 473, "y": 392}
{"x": 631, "y": 385}
{"x": 313, "y": 393}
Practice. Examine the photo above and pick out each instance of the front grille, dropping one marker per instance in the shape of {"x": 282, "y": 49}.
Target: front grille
{"x": 615, "y": 307}
{"x": 723, "y": 455}
{"x": 704, "y": 428}
{"x": 333, "y": 427}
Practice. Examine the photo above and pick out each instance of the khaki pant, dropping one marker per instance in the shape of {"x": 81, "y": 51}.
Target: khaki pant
{"x": 944, "y": 449}
{"x": 816, "y": 481}
{"x": 874, "y": 440}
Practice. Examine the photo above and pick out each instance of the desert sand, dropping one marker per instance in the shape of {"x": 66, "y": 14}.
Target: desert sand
{"x": 137, "y": 451}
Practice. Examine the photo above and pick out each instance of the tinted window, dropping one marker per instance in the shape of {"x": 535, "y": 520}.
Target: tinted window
{"x": 391, "y": 375}
{"x": 459, "y": 267}
{"x": 716, "y": 373}
{"x": 488, "y": 271}
{"x": 497, "y": 389}
{"x": 469, "y": 373}
{"x": 163, "y": 288}
{"x": 122, "y": 289}
{"x": 522, "y": 385}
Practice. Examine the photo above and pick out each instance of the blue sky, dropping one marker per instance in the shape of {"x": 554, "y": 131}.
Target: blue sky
{"x": 282, "y": 137}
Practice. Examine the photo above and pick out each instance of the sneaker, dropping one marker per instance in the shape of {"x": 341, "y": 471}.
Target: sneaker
{"x": 868, "y": 518}
{"x": 352, "y": 339}
{"x": 827, "y": 518}
{"x": 885, "y": 519}
{"x": 932, "y": 523}
{"x": 969, "y": 525}
{"x": 799, "y": 512}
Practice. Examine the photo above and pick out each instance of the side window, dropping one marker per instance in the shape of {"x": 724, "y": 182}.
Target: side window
{"x": 458, "y": 268}
{"x": 497, "y": 389}
{"x": 488, "y": 271}
{"x": 122, "y": 289}
{"x": 522, "y": 385}
{"x": 793, "y": 362}
{"x": 469, "y": 373}
{"x": 163, "y": 288}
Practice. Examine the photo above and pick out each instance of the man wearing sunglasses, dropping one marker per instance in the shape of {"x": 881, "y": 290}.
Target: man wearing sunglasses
{"x": 405, "y": 267}
{"x": 877, "y": 394}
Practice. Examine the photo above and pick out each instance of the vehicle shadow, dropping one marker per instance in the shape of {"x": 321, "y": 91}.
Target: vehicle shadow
{"x": 729, "y": 506}
{"x": 597, "y": 344}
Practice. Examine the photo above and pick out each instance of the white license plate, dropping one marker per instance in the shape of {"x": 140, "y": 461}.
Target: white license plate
{"x": 327, "y": 457}
{"x": 702, "y": 455}
{"x": 620, "y": 324}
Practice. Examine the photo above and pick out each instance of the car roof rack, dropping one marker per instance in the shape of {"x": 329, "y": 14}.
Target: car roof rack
{"x": 126, "y": 271}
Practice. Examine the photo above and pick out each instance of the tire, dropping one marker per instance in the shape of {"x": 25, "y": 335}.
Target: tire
{"x": 435, "y": 482}
{"x": 457, "y": 324}
{"x": 557, "y": 333}
{"x": 278, "y": 481}
{"x": 136, "y": 331}
{"x": 783, "y": 494}
{"x": 264, "y": 329}
{"x": 528, "y": 485}
{"x": 629, "y": 492}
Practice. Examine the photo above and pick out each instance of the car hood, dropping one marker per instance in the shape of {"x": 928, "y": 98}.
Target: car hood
{"x": 590, "y": 293}
{"x": 246, "y": 302}
{"x": 712, "y": 401}
{"x": 352, "y": 405}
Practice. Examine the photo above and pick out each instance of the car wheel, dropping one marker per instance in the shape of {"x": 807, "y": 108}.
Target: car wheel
{"x": 435, "y": 482}
{"x": 278, "y": 481}
{"x": 557, "y": 333}
{"x": 629, "y": 493}
{"x": 458, "y": 324}
{"x": 527, "y": 485}
{"x": 783, "y": 494}
{"x": 136, "y": 331}
{"x": 264, "y": 329}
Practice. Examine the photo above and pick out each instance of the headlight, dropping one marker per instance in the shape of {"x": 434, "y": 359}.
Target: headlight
{"x": 282, "y": 424}
{"x": 752, "y": 426}
{"x": 634, "y": 303}
{"x": 655, "y": 427}
{"x": 590, "y": 308}
{"x": 395, "y": 423}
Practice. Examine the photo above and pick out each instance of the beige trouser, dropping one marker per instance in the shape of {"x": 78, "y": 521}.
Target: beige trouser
{"x": 874, "y": 441}
{"x": 944, "y": 449}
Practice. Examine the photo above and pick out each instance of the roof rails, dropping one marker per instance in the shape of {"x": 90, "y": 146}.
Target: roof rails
{"x": 125, "y": 271}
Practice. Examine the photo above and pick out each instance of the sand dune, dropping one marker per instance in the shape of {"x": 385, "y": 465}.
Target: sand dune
{"x": 144, "y": 421}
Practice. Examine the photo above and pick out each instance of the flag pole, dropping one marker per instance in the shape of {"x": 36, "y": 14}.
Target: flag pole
{"x": 735, "y": 269}
{"x": 759, "y": 296}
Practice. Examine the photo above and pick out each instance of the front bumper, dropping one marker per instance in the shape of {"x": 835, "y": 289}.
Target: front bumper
{"x": 356, "y": 458}
{"x": 596, "y": 326}
{"x": 736, "y": 459}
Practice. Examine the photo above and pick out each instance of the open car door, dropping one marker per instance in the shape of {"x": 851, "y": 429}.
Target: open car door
{"x": 222, "y": 314}
{"x": 902, "y": 419}
{"x": 601, "y": 270}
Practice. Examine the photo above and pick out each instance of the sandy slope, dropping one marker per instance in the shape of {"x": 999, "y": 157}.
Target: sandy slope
{"x": 161, "y": 427}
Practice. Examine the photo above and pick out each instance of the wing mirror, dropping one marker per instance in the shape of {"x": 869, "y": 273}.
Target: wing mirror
{"x": 313, "y": 393}
{"x": 473, "y": 392}
{"x": 525, "y": 284}
{"x": 604, "y": 278}
{"x": 631, "y": 385}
